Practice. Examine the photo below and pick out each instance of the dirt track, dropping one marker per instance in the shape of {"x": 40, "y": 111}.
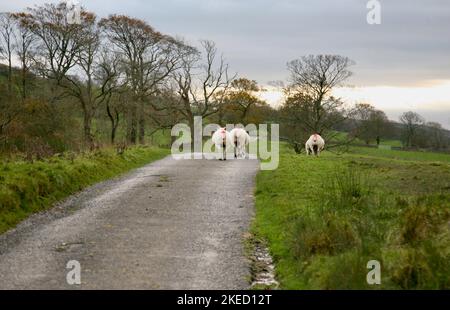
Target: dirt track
{"x": 169, "y": 225}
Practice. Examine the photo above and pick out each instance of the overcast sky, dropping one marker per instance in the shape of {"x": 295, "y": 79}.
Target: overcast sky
{"x": 411, "y": 47}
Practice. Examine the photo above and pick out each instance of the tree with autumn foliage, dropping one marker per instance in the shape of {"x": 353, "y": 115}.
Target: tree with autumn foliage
{"x": 148, "y": 57}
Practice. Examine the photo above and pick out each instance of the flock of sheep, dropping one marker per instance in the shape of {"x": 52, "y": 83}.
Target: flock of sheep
{"x": 238, "y": 138}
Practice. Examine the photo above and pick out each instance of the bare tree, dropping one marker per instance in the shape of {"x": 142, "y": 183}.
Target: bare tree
{"x": 363, "y": 114}
{"x": 184, "y": 81}
{"x": 115, "y": 93}
{"x": 149, "y": 58}
{"x": 379, "y": 125}
{"x": 212, "y": 79}
{"x": 315, "y": 77}
{"x": 131, "y": 38}
{"x": 169, "y": 113}
{"x": 68, "y": 54}
{"x": 7, "y": 26}
{"x": 114, "y": 107}
{"x": 371, "y": 123}
{"x": 202, "y": 82}
{"x": 8, "y": 102}
{"x": 310, "y": 103}
{"x": 298, "y": 115}
{"x": 24, "y": 42}
{"x": 59, "y": 42}
{"x": 411, "y": 121}
{"x": 9, "y": 109}
{"x": 436, "y": 136}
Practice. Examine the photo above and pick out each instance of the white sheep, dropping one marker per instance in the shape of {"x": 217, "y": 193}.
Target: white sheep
{"x": 240, "y": 139}
{"x": 315, "y": 145}
{"x": 222, "y": 141}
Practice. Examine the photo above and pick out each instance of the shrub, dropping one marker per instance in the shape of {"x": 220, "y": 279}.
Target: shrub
{"x": 326, "y": 233}
{"x": 426, "y": 217}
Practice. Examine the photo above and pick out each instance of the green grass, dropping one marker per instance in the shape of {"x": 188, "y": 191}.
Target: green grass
{"x": 160, "y": 138}
{"x": 325, "y": 218}
{"x": 26, "y": 188}
{"x": 395, "y": 143}
{"x": 400, "y": 155}
{"x": 341, "y": 136}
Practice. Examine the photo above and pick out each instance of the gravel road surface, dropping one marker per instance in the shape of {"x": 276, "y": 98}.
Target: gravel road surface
{"x": 173, "y": 224}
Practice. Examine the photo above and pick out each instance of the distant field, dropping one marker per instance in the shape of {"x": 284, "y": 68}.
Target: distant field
{"x": 400, "y": 155}
{"x": 396, "y": 143}
{"x": 339, "y": 136}
{"x": 325, "y": 218}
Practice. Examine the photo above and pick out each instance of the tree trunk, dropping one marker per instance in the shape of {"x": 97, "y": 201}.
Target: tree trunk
{"x": 244, "y": 114}
{"x": 9, "y": 72}
{"x": 24, "y": 83}
{"x": 141, "y": 123}
{"x": 132, "y": 125}
{"x": 191, "y": 125}
{"x": 141, "y": 129}
{"x": 87, "y": 129}
{"x": 114, "y": 119}
{"x": 189, "y": 115}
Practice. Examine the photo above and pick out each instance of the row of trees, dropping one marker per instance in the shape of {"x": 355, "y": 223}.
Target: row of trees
{"x": 120, "y": 76}
{"x": 311, "y": 108}
{"x": 116, "y": 68}
{"x": 418, "y": 133}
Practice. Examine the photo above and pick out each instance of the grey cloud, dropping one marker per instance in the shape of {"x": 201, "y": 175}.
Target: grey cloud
{"x": 258, "y": 37}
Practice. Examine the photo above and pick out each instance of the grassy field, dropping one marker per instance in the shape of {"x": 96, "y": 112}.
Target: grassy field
{"x": 396, "y": 143}
{"x": 27, "y": 187}
{"x": 325, "y": 218}
{"x": 399, "y": 155}
{"x": 340, "y": 136}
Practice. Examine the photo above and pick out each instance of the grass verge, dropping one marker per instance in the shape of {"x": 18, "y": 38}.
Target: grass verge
{"x": 325, "y": 218}
{"x": 26, "y": 188}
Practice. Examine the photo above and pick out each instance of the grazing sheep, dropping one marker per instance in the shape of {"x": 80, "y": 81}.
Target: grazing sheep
{"x": 240, "y": 139}
{"x": 314, "y": 145}
{"x": 222, "y": 140}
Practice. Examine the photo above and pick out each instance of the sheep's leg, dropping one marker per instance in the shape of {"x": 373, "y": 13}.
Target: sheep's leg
{"x": 218, "y": 151}
{"x": 319, "y": 150}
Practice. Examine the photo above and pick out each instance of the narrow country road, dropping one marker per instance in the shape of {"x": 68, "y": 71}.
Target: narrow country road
{"x": 173, "y": 224}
